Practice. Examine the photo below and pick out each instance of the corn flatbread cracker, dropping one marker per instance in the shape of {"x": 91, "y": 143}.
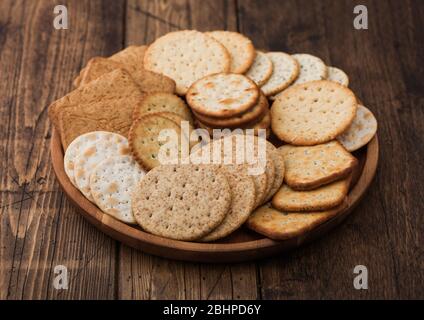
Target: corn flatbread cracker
{"x": 182, "y": 202}
{"x": 223, "y": 95}
{"x": 311, "y": 68}
{"x": 313, "y": 113}
{"x": 108, "y": 144}
{"x": 285, "y": 71}
{"x": 112, "y": 182}
{"x": 337, "y": 75}
{"x": 323, "y": 198}
{"x": 261, "y": 69}
{"x": 186, "y": 56}
{"x": 310, "y": 167}
{"x": 279, "y": 225}
{"x": 240, "y": 48}
{"x": 361, "y": 131}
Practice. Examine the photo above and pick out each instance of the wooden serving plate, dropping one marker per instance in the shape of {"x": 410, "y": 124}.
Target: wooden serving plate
{"x": 242, "y": 245}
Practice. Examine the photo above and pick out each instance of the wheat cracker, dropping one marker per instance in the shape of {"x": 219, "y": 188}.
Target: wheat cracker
{"x": 337, "y": 75}
{"x": 261, "y": 69}
{"x": 311, "y": 68}
{"x": 278, "y": 160}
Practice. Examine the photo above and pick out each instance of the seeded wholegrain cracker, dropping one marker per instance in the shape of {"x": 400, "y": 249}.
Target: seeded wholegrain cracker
{"x": 361, "y": 131}
{"x": 337, "y": 75}
{"x": 187, "y": 56}
{"x": 182, "y": 202}
{"x": 310, "y": 167}
{"x": 111, "y": 183}
{"x": 241, "y": 49}
{"x": 278, "y": 160}
{"x": 261, "y": 70}
{"x": 313, "y": 113}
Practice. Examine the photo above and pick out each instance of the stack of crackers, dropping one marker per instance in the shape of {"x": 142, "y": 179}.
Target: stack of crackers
{"x": 192, "y": 85}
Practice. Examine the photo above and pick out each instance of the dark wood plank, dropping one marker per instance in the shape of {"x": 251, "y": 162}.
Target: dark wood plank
{"x": 384, "y": 65}
{"x": 39, "y": 228}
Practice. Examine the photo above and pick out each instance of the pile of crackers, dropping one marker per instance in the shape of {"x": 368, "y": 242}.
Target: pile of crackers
{"x": 218, "y": 95}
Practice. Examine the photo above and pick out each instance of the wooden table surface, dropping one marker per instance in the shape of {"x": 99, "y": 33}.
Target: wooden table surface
{"x": 40, "y": 229}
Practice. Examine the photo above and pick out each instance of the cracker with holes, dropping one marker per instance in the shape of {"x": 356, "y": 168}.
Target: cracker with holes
{"x": 313, "y": 113}
{"x": 107, "y": 144}
{"x": 322, "y": 198}
{"x": 279, "y": 225}
{"x": 308, "y": 168}
{"x": 155, "y": 139}
{"x": 337, "y": 75}
{"x": 162, "y": 102}
{"x": 261, "y": 69}
{"x": 187, "y": 56}
{"x": 285, "y": 71}
{"x": 112, "y": 182}
{"x": 223, "y": 95}
{"x": 361, "y": 131}
{"x": 182, "y": 202}
{"x": 240, "y": 47}
{"x": 311, "y": 68}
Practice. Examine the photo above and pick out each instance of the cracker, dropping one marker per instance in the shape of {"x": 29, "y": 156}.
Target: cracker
{"x": 144, "y": 140}
{"x": 183, "y": 202}
{"x": 240, "y": 48}
{"x": 96, "y": 67}
{"x": 337, "y": 75}
{"x": 310, "y": 167}
{"x": 323, "y": 198}
{"x": 285, "y": 71}
{"x": 248, "y": 117}
{"x": 162, "y": 102}
{"x": 261, "y": 70}
{"x": 243, "y": 201}
{"x": 223, "y": 95}
{"x": 311, "y": 68}
{"x": 111, "y": 183}
{"x": 279, "y": 225}
{"x": 313, "y": 113}
{"x": 361, "y": 131}
{"x": 186, "y": 56}
{"x": 107, "y": 144}
{"x": 278, "y": 160}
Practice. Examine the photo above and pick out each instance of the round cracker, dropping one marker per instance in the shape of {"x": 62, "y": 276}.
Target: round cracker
{"x": 361, "y": 131}
{"x": 337, "y": 75}
{"x": 162, "y": 102}
{"x": 278, "y": 160}
{"x": 313, "y": 113}
{"x": 223, "y": 95}
{"x": 261, "y": 69}
{"x": 285, "y": 71}
{"x": 183, "y": 202}
{"x": 186, "y": 56}
{"x": 112, "y": 182}
{"x": 144, "y": 140}
{"x": 107, "y": 144}
{"x": 240, "y": 47}
{"x": 243, "y": 202}
{"x": 311, "y": 68}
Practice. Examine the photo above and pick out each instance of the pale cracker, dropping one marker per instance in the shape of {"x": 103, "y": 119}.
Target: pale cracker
{"x": 311, "y": 68}
{"x": 240, "y": 47}
{"x": 313, "y": 113}
{"x": 323, "y": 198}
{"x": 279, "y": 225}
{"x": 310, "y": 167}
{"x": 285, "y": 71}
{"x": 112, "y": 182}
{"x": 361, "y": 131}
{"x": 186, "y": 56}
{"x": 223, "y": 95}
{"x": 107, "y": 144}
{"x": 337, "y": 75}
{"x": 261, "y": 70}
{"x": 183, "y": 202}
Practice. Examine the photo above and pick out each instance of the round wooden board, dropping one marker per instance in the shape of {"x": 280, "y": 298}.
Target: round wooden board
{"x": 242, "y": 245}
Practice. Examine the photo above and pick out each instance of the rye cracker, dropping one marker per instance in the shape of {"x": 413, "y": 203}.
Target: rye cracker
{"x": 187, "y": 56}
{"x": 337, "y": 75}
{"x": 223, "y": 95}
{"x": 182, "y": 202}
{"x": 112, "y": 182}
{"x": 313, "y": 113}
{"x": 361, "y": 131}
{"x": 311, "y": 167}
{"x": 261, "y": 70}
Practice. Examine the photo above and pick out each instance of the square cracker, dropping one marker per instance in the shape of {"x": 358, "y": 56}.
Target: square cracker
{"x": 310, "y": 167}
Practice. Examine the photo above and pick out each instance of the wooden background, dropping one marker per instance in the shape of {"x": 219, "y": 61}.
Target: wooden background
{"x": 39, "y": 228}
